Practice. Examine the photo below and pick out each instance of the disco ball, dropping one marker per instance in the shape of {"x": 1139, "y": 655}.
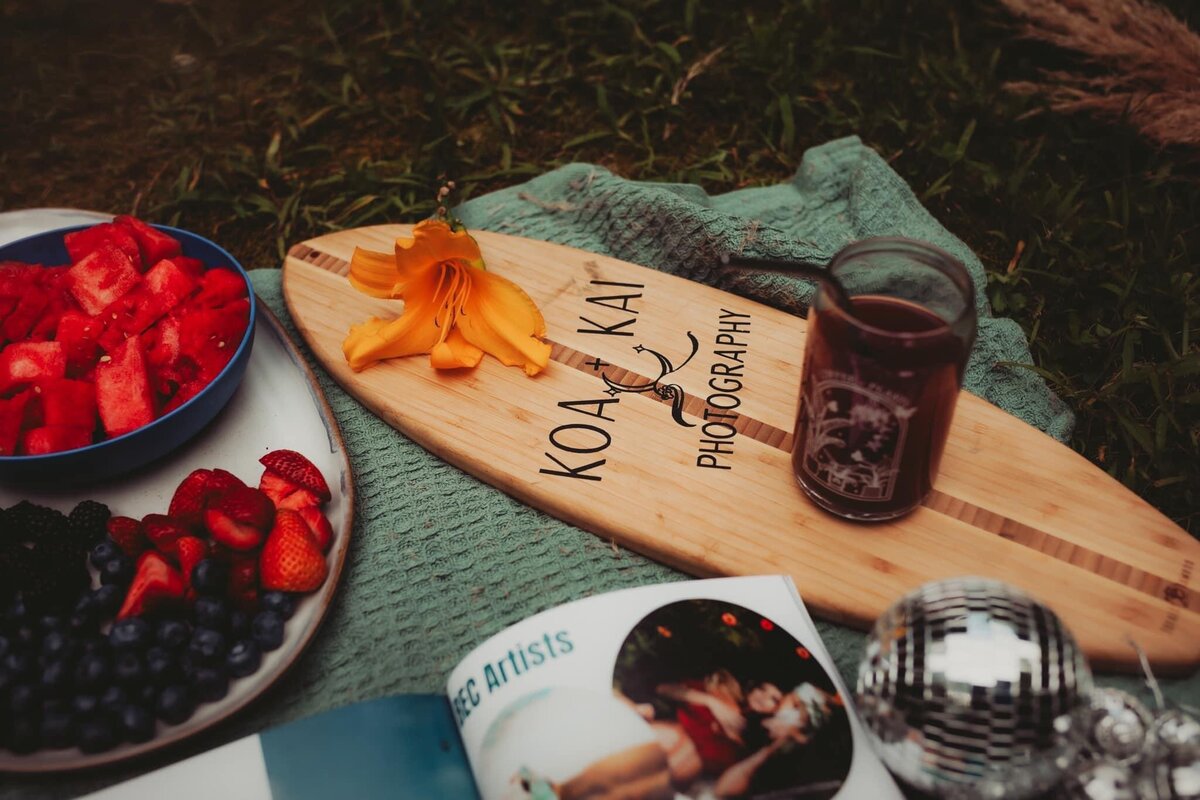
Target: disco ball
{"x": 967, "y": 687}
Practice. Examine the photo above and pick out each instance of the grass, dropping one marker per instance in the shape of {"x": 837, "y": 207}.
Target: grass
{"x": 263, "y": 124}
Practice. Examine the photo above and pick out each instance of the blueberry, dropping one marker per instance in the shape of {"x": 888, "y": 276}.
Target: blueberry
{"x": 23, "y": 735}
{"x": 128, "y": 668}
{"x": 239, "y": 623}
{"x": 17, "y": 612}
{"x": 210, "y": 683}
{"x": 6, "y": 644}
{"x": 281, "y": 603}
{"x": 20, "y": 663}
{"x": 106, "y": 551}
{"x": 24, "y": 699}
{"x": 145, "y": 695}
{"x": 96, "y": 735}
{"x": 175, "y": 704}
{"x": 117, "y": 571}
{"x": 56, "y": 676}
{"x": 211, "y": 612}
{"x": 161, "y": 666}
{"x": 113, "y": 699}
{"x": 173, "y": 634}
{"x": 244, "y": 658}
{"x": 133, "y": 633}
{"x": 84, "y": 610}
{"x": 56, "y": 645}
{"x": 210, "y": 577}
{"x": 267, "y": 630}
{"x": 7, "y": 678}
{"x": 207, "y": 646}
{"x": 52, "y": 704}
{"x": 137, "y": 723}
{"x": 107, "y": 599}
{"x": 57, "y": 729}
{"x": 84, "y": 705}
{"x": 92, "y": 671}
{"x": 51, "y": 622}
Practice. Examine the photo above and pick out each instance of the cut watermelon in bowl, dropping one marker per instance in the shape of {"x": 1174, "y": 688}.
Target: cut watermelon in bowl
{"x": 121, "y": 344}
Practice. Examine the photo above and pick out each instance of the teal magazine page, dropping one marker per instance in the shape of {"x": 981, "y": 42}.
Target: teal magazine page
{"x": 687, "y": 691}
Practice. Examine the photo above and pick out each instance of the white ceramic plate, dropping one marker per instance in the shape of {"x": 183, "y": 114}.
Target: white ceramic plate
{"x": 279, "y": 405}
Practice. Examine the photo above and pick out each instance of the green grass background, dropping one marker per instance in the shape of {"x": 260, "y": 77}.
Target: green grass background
{"x": 261, "y": 124}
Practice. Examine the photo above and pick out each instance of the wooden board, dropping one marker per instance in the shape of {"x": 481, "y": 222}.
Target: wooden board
{"x": 1010, "y": 502}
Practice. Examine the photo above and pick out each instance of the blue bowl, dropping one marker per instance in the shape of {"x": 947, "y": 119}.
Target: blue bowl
{"x": 137, "y": 448}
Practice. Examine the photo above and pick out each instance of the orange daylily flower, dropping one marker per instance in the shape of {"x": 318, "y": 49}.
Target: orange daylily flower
{"x": 454, "y": 309}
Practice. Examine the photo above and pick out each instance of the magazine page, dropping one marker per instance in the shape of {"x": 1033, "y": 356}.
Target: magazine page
{"x": 686, "y": 691}
{"x": 392, "y": 747}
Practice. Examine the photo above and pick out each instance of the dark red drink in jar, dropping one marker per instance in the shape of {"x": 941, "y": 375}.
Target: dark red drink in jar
{"x": 881, "y": 378}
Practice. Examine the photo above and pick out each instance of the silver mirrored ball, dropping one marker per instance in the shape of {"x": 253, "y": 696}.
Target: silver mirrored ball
{"x": 967, "y": 687}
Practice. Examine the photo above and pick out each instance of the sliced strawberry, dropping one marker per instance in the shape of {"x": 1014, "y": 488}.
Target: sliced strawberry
{"x": 222, "y": 481}
{"x": 69, "y": 402}
{"x": 88, "y": 240}
{"x": 284, "y": 493}
{"x": 155, "y": 584}
{"x": 55, "y": 439}
{"x": 163, "y": 531}
{"x": 25, "y": 363}
{"x": 299, "y": 470}
{"x": 318, "y": 526}
{"x": 240, "y": 518}
{"x": 153, "y": 243}
{"x": 126, "y": 533}
{"x": 123, "y": 393}
{"x": 190, "y": 550}
{"x": 100, "y": 278}
{"x": 290, "y": 560}
{"x": 191, "y": 498}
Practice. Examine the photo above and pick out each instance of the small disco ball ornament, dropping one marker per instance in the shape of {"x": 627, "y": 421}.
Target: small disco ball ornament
{"x": 967, "y": 687}
{"x": 1172, "y": 769}
{"x": 1113, "y": 725}
{"x": 1100, "y": 780}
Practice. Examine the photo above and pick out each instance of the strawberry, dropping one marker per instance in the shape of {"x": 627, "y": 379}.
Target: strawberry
{"x": 243, "y": 581}
{"x": 318, "y": 526}
{"x": 156, "y": 583}
{"x": 163, "y": 532}
{"x": 294, "y": 467}
{"x": 240, "y": 518}
{"x": 290, "y": 560}
{"x": 190, "y": 550}
{"x": 127, "y": 534}
{"x": 284, "y": 493}
{"x": 190, "y": 498}
{"x": 221, "y": 481}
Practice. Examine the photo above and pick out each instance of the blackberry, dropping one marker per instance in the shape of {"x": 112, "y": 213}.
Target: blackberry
{"x": 87, "y": 522}
{"x": 27, "y": 522}
{"x": 57, "y": 576}
{"x": 15, "y": 561}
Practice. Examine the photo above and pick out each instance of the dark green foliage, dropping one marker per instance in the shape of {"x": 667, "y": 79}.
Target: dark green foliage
{"x": 263, "y": 124}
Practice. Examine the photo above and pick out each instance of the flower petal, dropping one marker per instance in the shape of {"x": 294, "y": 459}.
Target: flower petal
{"x": 500, "y": 319}
{"x": 432, "y": 243}
{"x": 414, "y": 331}
{"x": 374, "y": 273}
{"x": 454, "y": 353}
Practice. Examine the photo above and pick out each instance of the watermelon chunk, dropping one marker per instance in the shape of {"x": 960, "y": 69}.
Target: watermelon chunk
{"x": 12, "y": 419}
{"x": 153, "y": 243}
{"x": 31, "y": 362}
{"x": 54, "y": 439}
{"x": 192, "y": 266}
{"x": 106, "y": 234}
{"x": 209, "y": 336}
{"x": 100, "y": 278}
{"x": 123, "y": 394}
{"x": 69, "y": 402}
{"x": 161, "y": 289}
{"x": 219, "y": 287}
{"x": 28, "y": 311}
{"x": 79, "y": 333}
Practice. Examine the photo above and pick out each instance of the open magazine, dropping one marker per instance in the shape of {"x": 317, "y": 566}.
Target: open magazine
{"x": 686, "y": 691}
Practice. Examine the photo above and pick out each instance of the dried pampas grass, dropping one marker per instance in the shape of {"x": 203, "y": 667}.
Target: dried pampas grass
{"x": 1145, "y": 64}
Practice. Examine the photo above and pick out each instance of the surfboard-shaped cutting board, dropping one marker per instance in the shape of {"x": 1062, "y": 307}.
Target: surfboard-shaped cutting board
{"x": 707, "y": 486}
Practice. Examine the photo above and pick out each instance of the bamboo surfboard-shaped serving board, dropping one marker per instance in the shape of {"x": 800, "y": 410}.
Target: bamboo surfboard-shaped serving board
{"x": 719, "y": 499}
